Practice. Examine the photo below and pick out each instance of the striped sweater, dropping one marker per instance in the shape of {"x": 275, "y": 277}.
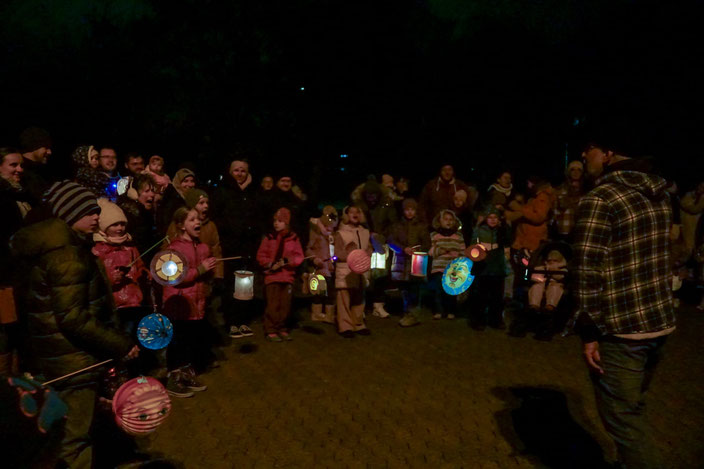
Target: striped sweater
{"x": 444, "y": 249}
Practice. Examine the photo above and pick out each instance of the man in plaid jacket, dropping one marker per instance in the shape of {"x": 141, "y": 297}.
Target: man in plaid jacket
{"x": 622, "y": 287}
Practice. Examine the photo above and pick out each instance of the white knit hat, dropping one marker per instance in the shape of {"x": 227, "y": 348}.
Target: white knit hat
{"x": 110, "y": 214}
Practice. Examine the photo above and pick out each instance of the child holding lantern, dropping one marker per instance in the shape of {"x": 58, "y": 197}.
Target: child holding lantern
{"x": 280, "y": 252}
{"x": 184, "y": 304}
{"x": 350, "y": 285}
{"x": 321, "y": 246}
{"x": 447, "y": 243}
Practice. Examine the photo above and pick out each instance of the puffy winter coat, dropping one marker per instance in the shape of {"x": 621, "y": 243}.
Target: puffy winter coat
{"x": 406, "y": 233}
{"x": 532, "y": 227}
{"x": 70, "y": 315}
{"x": 276, "y": 246}
{"x": 320, "y": 243}
{"x": 346, "y": 234}
{"x": 125, "y": 292}
{"x": 238, "y": 216}
{"x": 186, "y": 300}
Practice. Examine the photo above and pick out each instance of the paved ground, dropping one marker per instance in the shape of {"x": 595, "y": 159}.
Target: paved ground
{"x": 438, "y": 395}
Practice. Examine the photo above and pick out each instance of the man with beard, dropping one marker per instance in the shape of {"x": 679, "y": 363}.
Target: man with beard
{"x": 36, "y": 145}
{"x": 622, "y": 289}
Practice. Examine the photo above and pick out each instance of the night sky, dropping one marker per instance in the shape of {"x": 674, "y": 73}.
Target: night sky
{"x": 399, "y": 86}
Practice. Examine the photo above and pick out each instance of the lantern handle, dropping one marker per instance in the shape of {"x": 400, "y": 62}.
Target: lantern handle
{"x": 228, "y": 258}
{"x": 158, "y": 243}
{"x": 78, "y": 372}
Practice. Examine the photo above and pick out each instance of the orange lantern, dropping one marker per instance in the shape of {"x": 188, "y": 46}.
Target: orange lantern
{"x": 476, "y": 252}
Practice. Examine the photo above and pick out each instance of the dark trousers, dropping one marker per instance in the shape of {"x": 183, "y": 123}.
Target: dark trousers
{"x": 487, "y": 300}
{"x": 628, "y": 366}
{"x": 444, "y": 303}
{"x": 76, "y": 449}
{"x": 278, "y": 307}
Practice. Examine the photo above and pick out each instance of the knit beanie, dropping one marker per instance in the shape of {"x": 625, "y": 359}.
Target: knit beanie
{"x": 110, "y": 214}
{"x": 70, "y": 201}
{"x": 329, "y": 215}
{"x": 80, "y": 156}
{"x": 193, "y": 197}
{"x": 409, "y": 203}
{"x": 34, "y": 138}
{"x": 283, "y": 214}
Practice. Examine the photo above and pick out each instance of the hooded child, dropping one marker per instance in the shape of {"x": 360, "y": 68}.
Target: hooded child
{"x": 447, "y": 243}
{"x": 184, "y": 304}
{"x": 321, "y": 246}
{"x": 280, "y": 252}
{"x": 487, "y": 290}
{"x": 351, "y": 235}
{"x": 86, "y": 159}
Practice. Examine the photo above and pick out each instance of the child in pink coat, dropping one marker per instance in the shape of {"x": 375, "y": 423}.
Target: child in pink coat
{"x": 280, "y": 252}
{"x": 184, "y": 304}
{"x": 124, "y": 268}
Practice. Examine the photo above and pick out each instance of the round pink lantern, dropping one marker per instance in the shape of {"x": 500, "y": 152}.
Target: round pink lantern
{"x": 140, "y": 405}
{"x": 359, "y": 261}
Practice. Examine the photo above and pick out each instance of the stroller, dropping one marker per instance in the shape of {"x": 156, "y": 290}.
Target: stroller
{"x": 548, "y": 306}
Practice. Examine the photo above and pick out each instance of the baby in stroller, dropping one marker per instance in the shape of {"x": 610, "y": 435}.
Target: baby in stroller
{"x": 548, "y": 282}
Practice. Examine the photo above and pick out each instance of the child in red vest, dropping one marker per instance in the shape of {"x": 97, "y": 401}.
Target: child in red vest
{"x": 280, "y": 252}
{"x": 184, "y": 304}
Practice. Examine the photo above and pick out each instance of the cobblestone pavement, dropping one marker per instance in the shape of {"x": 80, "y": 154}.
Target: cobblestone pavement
{"x": 436, "y": 395}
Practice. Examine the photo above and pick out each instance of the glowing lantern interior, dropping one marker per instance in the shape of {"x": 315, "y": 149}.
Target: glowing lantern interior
{"x": 244, "y": 285}
{"x": 419, "y": 264}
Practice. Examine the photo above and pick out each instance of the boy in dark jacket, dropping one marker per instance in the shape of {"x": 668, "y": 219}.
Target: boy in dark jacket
{"x": 489, "y": 274}
{"x": 70, "y": 314}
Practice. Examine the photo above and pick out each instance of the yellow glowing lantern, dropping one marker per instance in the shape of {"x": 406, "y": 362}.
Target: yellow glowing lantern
{"x": 317, "y": 284}
{"x": 244, "y": 285}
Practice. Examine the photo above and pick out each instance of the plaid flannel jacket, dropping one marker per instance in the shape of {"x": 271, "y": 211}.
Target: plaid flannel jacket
{"x": 621, "y": 254}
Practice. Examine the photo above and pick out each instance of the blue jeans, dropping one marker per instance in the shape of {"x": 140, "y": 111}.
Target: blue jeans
{"x": 628, "y": 369}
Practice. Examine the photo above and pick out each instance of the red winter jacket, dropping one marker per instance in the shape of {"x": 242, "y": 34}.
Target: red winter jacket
{"x": 274, "y": 246}
{"x": 127, "y": 292}
{"x": 186, "y": 301}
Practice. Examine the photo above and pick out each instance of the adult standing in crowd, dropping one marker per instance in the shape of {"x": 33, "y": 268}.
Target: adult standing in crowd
{"x": 68, "y": 301}
{"x": 36, "y": 145}
{"x": 624, "y": 303}
{"x": 568, "y": 195}
{"x": 438, "y": 194}
{"x": 499, "y": 193}
{"x": 108, "y": 165}
{"x": 138, "y": 205}
{"x": 235, "y": 211}
{"x": 14, "y": 205}
{"x": 691, "y": 208}
{"x": 174, "y": 197}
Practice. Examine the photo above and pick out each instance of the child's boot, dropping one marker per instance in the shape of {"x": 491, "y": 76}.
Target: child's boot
{"x": 316, "y": 313}
{"x": 379, "y": 311}
{"x": 329, "y": 314}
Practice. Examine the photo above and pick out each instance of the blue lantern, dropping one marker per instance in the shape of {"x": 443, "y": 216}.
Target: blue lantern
{"x": 155, "y": 331}
{"x": 457, "y": 277}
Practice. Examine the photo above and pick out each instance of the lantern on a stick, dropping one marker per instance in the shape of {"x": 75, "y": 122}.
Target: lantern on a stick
{"x": 244, "y": 285}
{"x": 155, "y": 331}
{"x": 476, "y": 252}
{"x": 359, "y": 261}
{"x": 168, "y": 267}
{"x": 317, "y": 285}
{"x": 457, "y": 277}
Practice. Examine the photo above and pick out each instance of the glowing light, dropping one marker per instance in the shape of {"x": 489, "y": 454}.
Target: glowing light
{"x": 303, "y": 88}
{"x": 169, "y": 268}
{"x": 344, "y": 155}
{"x": 342, "y": 169}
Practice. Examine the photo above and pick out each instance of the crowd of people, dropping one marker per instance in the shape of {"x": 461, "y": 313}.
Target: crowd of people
{"x": 75, "y": 256}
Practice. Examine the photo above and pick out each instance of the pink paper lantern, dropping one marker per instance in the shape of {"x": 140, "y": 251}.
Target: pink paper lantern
{"x": 140, "y": 405}
{"x": 359, "y": 261}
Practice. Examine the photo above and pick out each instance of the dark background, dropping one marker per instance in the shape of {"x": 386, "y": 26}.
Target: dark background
{"x": 398, "y": 86}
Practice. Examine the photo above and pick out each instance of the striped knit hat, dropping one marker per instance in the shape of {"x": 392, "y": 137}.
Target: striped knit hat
{"x": 70, "y": 201}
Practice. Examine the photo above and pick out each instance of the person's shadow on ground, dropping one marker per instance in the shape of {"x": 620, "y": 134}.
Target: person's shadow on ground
{"x": 538, "y": 423}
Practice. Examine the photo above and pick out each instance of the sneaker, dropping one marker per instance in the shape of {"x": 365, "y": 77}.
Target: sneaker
{"x": 379, "y": 311}
{"x": 189, "y": 380}
{"x": 175, "y": 388}
{"x": 286, "y": 336}
{"x": 437, "y": 316}
{"x": 246, "y": 331}
{"x": 364, "y": 331}
{"x": 450, "y": 316}
{"x": 408, "y": 320}
{"x": 273, "y": 338}
{"x": 235, "y": 332}
{"x": 347, "y": 334}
